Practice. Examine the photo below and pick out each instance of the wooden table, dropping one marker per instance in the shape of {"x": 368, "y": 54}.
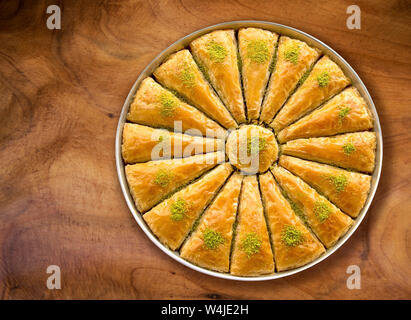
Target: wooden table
{"x": 61, "y": 94}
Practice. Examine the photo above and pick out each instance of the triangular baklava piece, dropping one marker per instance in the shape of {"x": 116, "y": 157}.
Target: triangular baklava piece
{"x": 210, "y": 244}
{"x": 157, "y": 107}
{"x": 351, "y": 150}
{"x": 172, "y": 220}
{"x": 346, "y": 112}
{"x": 294, "y": 58}
{"x": 141, "y": 144}
{"x": 149, "y": 182}
{"x": 216, "y": 55}
{"x": 347, "y": 190}
{"x": 257, "y": 48}
{"x": 325, "y": 80}
{"x": 252, "y": 253}
{"x": 181, "y": 73}
{"x": 294, "y": 244}
{"x": 325, "y": 219}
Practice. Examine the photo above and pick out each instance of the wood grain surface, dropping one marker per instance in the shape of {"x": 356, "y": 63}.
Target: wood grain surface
{"x": 61, "y": 93}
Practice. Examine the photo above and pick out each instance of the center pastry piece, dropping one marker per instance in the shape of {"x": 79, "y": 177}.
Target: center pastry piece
{"x": 252, "y": 149}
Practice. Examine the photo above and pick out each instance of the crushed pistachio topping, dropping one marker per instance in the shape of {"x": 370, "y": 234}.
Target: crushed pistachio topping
{"x": 251, "y": 244}
{"x": 348, "y": 148}
{"x": 239, "y": 63}
{"x": 163, "y": 177}
{"x": 322, "y": 210}
{"x": 164, "y": 139}
{"x": 178, "y": 209}
{"x": 303, "y": 78}
{"x": 274, "y": 59}
{"x": 187, "y": 76}
{"x": 195, "y": 225}
{"x": 291, "y": 54}
{"x": 216, "y": 51}
{"x": 291, "y": 236}
{"x": 257, "y": 51}
{"x": 323, "y": 79}
{"x": 212, "y": 239}
{"x": 204, "y": 71}
{"x": 343, "y": 113}
{"x": 298, "y": 211}
{"x": 168, "y": 104}
{"x": 295, "y": 207}
{"x": 339, "y": 182}
{"x": 255, "y": 145}
{"x": 272, "y": 65}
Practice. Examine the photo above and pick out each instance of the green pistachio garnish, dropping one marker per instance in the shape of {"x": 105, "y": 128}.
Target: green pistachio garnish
{"x": 187, "y": 76}
{"x": 291, "y": 236}
{"x": 322, "y": 210}
{"x": 303, "y": 78}
{"x": 179, "y": 96}
{"x": 239, "y": 63}
{"x": 339, "y": 182}
{"x": 323, "y": 79}
{"x": 255, "y": 145}
{"x": 343, "y": 113}
{"x": 257, "y": 51}
{"x": 273, "y": 60}
{"x": 291, "y": 54}
{"x": 295, "y": 207}
{"x": 168, "y": 104}
{"x": 178, "y": 209}
{"x": 251, "y": 244}
{"x": 272, "y": 65}
{"x": 216, "y": 51}
{"x": 348, "y": 148}
{"x": 298, "y": 211}
{"x": 163, "y": 177}
{"x": 212, "y": 239}
{"x": 204, "y": 71}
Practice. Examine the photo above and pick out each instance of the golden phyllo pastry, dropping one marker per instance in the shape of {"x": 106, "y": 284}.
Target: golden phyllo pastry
{"x": 347, "y": 190}
{"x": 181, "y": 73}
{"x": 152, "y": 181}
{"x": 172, "y": 220}
{"x": 257, "y": 48}
{"x": 252, "y": 253}
{"x": 210, "y": 244}
{"x": 157, "y": 107}
{"x": 346, "y": 112}
{"x": 294, "y": 58}
{"x": 325, "y": 219}
{"x": 141, "y": 143}
{"x": 324, "y": 81}
{"x": 216, "y": 54}
{"x": 294, "y": 245}
{"x": 351, "y": 150}
{"x": 249, "y": 153}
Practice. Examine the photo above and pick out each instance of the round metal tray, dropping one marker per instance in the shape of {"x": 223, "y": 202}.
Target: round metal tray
{"x": 283, "y": 30}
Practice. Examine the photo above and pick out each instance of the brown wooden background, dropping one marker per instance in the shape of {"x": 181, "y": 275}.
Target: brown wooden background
{"x": 61, "y": 93}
